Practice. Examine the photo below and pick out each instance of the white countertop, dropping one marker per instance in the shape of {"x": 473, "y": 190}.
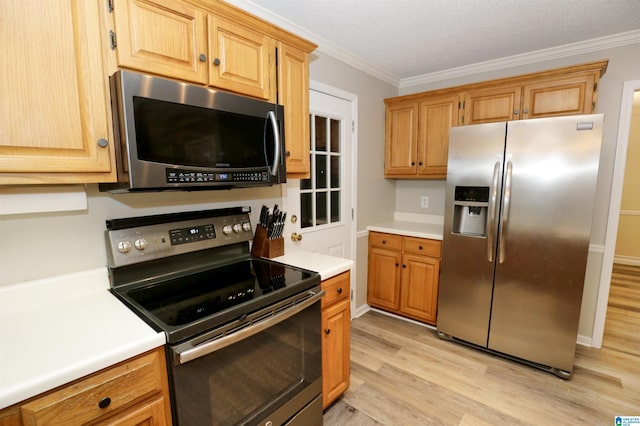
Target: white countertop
{"x": 327, "y": 266}
{"x": 412, "y": 229}
{"x": 57, "y": 330}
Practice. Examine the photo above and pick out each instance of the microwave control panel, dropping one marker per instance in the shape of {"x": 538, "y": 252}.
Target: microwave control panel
{"x": 193, "y": 176}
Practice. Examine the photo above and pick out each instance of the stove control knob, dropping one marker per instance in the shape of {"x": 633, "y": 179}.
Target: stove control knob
{"x": 226, "y": 230}
{"x": 141, "y": 244}
{"x": 246, "y": 227}
{"x": 237, "y": 228}
{"x": 124, "y": 246}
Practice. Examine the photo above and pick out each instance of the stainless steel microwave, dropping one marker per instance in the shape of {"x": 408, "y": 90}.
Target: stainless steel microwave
{"x": 172, "y": 135}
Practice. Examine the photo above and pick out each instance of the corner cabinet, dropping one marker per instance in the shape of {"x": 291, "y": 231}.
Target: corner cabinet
{"x": 403, "y": 275}
{"x": 133, "y": 392}
{"x": 417, "y": 125}
{"x": 55, "y": 123}
{"x": 216, "y": 44}
{"x": 336, "y": 323}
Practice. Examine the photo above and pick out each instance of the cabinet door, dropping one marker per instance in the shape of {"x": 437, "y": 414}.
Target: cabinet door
{"x": 165, "y": 37}
{"x": 293, "y": 94}
{"x": 437, "y": 116}
{"x": 401, "y": 140}
{"x": 383, "y": 283}
{"x": 144, "y": 414}
{"x": 493, "y": 104}
{"x": 335, "y": 351}
{"x": 559, "y": 96}
{"x": 420, "y": 275}
{"x": 54, "y": 102}
{"x": 240, "y": 58}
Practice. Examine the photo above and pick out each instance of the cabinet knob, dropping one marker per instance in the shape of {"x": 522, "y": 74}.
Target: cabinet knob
{"x": 397, "y": 264}
{"x": 202, "y": 57}
{"x": 327, "y": 330}
{"x": 340, "y": 290}
{"x": 515, "y": 112}
{"x": 419, "y": 247}
{"x": 384, "y": 241}
{"x": 103, "y": 143}
{"x": 420, "y": 163}
{"x": 104, "y": 402}
{"x": 413, "y": 163}
{"x": 216, "y": 61}
{"x": 288, "y": 153}
{"x": 525, "y": 111}
{"x": 404, "y": 266}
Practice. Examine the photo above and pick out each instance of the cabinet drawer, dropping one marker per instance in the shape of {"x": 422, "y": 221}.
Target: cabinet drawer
{"x": 336, "y": 288}
{"x": 421, "y": 246}
{"x": 388, "y": 241}
{"x": 80, "y": 402}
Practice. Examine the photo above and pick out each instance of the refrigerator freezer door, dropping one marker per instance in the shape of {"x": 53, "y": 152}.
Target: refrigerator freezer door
{"x": 466, "y": 277}
{"x": 541, "y": 265}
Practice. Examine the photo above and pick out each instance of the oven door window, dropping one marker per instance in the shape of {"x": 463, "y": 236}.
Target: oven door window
{"x": 253, "y": 378}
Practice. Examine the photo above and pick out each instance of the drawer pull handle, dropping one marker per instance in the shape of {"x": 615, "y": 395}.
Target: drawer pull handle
{"x": 419, "y": 247}
{"x": 104, "y": 402}
{"x": 384, "y": 241}
{"x": 340, "y": 290}
{"x": 327, "y": 330}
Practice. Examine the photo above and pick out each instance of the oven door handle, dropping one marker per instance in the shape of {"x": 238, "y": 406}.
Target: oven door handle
{"x": 199, "y": 351}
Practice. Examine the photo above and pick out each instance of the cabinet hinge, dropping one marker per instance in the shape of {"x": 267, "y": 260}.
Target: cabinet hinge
{"x": 110, "y": 6}
{"x": 595, "y": 87}
{"x": 112, "y": 38}
{"x": 351, "y": 294}
{"x": 353, "y": 126}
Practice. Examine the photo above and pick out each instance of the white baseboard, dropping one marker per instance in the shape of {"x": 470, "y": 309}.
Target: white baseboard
{"x": 584, "y": 340}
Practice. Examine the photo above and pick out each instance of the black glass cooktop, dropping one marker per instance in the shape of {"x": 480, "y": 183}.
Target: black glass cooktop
{"x": 217, "y": 295}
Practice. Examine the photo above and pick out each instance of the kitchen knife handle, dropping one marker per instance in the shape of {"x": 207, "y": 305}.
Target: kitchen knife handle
{"x": 504, "y": 221}
{"x": 491, "y": 217}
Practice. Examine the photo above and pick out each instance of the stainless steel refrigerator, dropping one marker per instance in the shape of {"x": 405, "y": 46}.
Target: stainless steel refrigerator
{"x": 518, "y": 212}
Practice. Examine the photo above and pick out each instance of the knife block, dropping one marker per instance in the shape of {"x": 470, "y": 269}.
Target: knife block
{"x": 265, "y": 247}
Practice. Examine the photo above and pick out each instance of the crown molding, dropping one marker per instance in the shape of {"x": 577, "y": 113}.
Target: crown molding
{"x": 586, "y": 46}
{"x": 336, "y": 52}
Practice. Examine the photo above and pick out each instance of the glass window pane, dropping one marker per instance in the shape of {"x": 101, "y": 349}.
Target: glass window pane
{"x": 306, "y": 217}
{"x": 335, "y": 206}
{"x": 335, "y": 135}
{"x": 321, "y": 208}
{"x": 335, "y": 171}
{"x": 321, "y": 171}
{"x": 321, "y": 133}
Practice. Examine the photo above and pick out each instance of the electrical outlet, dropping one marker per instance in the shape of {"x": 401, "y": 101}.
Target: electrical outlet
{"x": 424, "y": 202}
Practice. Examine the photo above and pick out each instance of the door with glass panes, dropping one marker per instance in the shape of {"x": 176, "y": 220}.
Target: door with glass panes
{"x": 320, "y": 208}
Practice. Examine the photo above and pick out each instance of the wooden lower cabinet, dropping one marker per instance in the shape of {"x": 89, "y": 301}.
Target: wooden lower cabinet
{"x": 336, "y": 323}
{"x": 133, "y": 392}
{"x": 403, "y": 275}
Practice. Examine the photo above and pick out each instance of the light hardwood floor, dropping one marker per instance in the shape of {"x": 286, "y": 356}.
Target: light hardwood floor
{"x": 402, "y": 374}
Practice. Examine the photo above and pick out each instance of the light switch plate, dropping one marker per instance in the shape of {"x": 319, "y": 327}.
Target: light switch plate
{"x": 424, "y": 202}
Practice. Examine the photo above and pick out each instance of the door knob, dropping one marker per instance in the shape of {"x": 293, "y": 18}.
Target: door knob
{"x": 296, "y": 237}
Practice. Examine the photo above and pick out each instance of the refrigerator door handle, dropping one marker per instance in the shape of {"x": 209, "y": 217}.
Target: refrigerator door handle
{"x": 506, "y": 206}
{"x": 491, "y": 216}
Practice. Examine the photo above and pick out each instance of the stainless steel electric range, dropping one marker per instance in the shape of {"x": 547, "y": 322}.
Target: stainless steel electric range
{"x": 243, "y": 333}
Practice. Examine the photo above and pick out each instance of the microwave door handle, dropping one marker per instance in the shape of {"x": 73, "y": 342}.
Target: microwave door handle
{"x": 276, "y": 146}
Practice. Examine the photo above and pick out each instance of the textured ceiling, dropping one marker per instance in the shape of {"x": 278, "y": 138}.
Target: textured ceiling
{"x": 410, "y": 38}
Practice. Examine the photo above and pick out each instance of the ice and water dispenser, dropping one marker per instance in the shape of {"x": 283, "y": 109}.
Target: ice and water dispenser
{"x": 470, "y": 207}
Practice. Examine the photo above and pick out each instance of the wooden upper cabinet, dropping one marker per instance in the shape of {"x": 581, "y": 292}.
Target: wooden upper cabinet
{"x": 401, "y": 147}
{"x": 559, "y": 96}
{"x": 293, "y": 94}
{"x": 165, "y": 37}
{"x": 55, "y": 117}
{"x": 240, "y": 59}
{"x": 417, "y": 125}
{"x": 493, "y": 104}
{"x": 436, "y": 117}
